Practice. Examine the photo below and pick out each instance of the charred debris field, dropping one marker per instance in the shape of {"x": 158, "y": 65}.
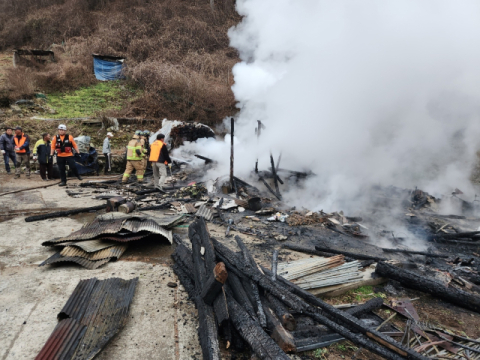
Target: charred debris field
{"x": 397, "y": 281}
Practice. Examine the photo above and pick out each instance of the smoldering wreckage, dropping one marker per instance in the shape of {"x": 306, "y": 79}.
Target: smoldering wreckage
{"x": 264, "y": 297}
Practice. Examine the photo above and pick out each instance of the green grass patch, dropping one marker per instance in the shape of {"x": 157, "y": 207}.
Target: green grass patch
{"x": 364, "y": 293}
{"x": 88, "y": 101}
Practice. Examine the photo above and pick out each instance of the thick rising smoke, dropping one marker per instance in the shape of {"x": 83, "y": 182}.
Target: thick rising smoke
{"x": 360, "y": 93}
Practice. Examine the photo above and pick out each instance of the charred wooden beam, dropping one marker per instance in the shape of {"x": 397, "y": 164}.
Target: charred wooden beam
{"x": 58, "y": 214}
{"x": 313, "y": 343}
{"x": 460, "y": 235}
{"x": 416, "y": 253}
{"x": 350, "y": 254}
{"x": 370, "y": 305}
{"x": 287, "y": 319}
{"x": 232, "y": 127}
{"x": 458, "y": 242}
{"x": 422, "y": 283}
{"x": 214, "y": 284}
{"x": 207, "y": 160}
{"x": 240, "y": 295}
{"x": 262, "y": 345}
{"x": 393, "y": 350}
{"x": 207, "y": 330}
{"x": 185, "y": 279}
{"x": 282, "y": 337}
{"x": 275, "y": 178}
{"x": 310, "y": 251}
{"x": 249, "y": 261}
{"x": 268, "y": 187}
{"x": 274, "y": 264}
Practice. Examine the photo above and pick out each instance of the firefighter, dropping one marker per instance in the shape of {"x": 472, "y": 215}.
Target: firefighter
{"x": 146, "y": 145}
{"x": 135, "y": 155}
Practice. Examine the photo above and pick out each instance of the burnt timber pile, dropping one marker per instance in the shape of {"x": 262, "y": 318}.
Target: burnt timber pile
{"x": 247, "y": 305}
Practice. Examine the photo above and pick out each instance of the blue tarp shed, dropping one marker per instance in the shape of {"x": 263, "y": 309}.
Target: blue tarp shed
{"x": 108, "y": 68}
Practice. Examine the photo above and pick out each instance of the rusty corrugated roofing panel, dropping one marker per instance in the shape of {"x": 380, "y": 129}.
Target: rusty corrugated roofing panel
{"x": 205, "y": 212}
{"x": 63, "y": 340}
{"x": 88, "y": 264}
{"x": 94, "y": 313}
{"x": 111, "y": 252}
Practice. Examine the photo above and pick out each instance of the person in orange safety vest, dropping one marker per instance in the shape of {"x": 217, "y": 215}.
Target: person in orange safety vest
{"x": 64, "y": 144}
{"x": 22, "y": 152}
{"x": 160, "y": 159}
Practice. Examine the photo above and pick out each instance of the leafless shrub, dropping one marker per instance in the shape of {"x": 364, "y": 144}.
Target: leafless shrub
{"x": 20, "y": 81}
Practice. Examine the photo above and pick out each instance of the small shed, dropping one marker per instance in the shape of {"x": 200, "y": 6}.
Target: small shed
{"x": 108, "y": 67}
{"x": 26, "y": 57}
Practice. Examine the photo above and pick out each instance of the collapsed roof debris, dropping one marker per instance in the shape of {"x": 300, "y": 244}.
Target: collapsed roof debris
{"x": 95, "y": 312}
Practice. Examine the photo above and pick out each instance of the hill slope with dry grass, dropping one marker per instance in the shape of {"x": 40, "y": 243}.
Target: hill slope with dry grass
{"x": 177, "y": 51}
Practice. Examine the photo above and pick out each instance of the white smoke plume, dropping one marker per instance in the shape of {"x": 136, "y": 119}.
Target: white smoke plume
{"x": 359, "y": 92}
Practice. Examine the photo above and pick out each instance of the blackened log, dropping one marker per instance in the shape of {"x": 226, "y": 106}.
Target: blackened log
{"x": 238, "y": 344}
{"x": 268, "y": 187}
{"x": 287, "y": 319}
{"x": 460, "y": 235}
{"x": 207, "y": 160}
{"x": 155, "y": 207}
{"x": 310, "y": 251}
{"x": 240, "y": 295}
{"x": 185, "y": 279}
{"x": 207, "y": 330}
{"x": 415, "y": 253}
{"x": 219, "y": 301}
{"x": 370, "y": 305}
{"x": 249, "y": 261}
{"x": 262, "y": 345}
{"x": 274, "y": 264}
{"x": 275, "y": 179}
{"x": 58, "y": 214}
{"x": 296, "y": 303}
{"x": 422, "y": 283}
{"x": 221, "y": 309}
{"x": 349, "y": 254}
{"x": 313, "y": 343}
{"x": 456, "y": 242}
{"x": 214, "y": 284}
{"x": 282, "y": 337}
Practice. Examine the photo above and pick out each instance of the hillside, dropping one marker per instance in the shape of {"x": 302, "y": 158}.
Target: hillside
{"x": 177, "y": 52}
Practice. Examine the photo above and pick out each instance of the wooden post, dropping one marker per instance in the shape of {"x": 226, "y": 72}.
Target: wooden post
{"x": 232, "y": 128}
{"x": 214, "y": 284}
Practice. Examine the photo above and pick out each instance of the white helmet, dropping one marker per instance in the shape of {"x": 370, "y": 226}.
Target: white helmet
{"x": 62, "y": 127}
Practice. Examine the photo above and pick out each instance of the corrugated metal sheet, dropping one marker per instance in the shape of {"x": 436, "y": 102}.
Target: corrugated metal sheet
{"x": 106, "y": 314}
{"x": 124, "y": 238}
{"x": 94, "y": 313}
{"x": 111, "y": 252}
{"x": 77, "y": 302}
{"x": 101, "y": 227}
{"x": 56, "y": 258}
{"x": 90, "y": 245}
{"x": 63, "y": 340}
{"x": 205, "y": 212}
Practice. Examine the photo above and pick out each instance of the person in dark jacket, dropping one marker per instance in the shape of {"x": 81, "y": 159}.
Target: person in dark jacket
{"x": 41, "y": 152}
{"x": 160, "y": 159}
{"x": 22, "y": 152}
{"x": 7, "y": 148}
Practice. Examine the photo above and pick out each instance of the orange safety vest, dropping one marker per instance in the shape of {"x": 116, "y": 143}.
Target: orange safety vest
{"x": 20, "y": 143}
{"x": 155, "y": 149}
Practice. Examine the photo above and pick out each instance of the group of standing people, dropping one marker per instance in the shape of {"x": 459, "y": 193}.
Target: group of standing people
{"x": 16, "y": 147}
{"x": 140, "y": 153}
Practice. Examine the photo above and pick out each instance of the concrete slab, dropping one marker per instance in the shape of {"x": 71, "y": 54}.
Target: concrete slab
{"x": 162, "y": 323}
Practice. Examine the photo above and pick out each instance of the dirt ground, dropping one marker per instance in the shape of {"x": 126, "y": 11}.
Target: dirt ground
{"x": 162, "y": 321}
